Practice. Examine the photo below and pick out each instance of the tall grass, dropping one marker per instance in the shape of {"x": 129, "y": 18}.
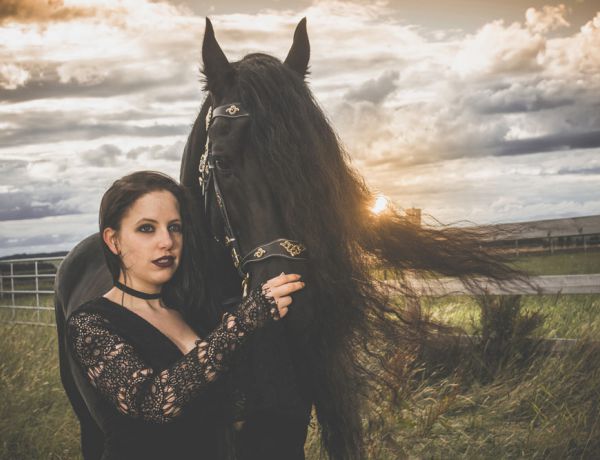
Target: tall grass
{"x": 566, "y": 316}
{"x": 545, "y": 409}
{"x": 36, "y": 420}
{"x": 498, "y": 397}
{"x": 545, "y": 406}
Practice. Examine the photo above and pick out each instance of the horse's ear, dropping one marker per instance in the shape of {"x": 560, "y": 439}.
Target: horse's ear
{"x": 216, "y": 66}
{"x": 299, "y": 53}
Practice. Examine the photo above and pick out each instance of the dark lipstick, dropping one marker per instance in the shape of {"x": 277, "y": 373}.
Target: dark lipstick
{"x": 164, "y": 262}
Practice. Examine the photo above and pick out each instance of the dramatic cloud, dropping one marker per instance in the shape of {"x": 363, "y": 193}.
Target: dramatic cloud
{"x": 507, "y": 89}
{"x": 497, "y": 124}
{"x": 41, "y": 11}
{"x": 547, "y": 19}
{"x": 48, "y": 234}
{"x": 375, "y": 90}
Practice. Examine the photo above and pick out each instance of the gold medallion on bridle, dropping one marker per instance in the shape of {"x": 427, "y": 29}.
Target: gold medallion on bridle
{"x": 232, "y": 109}
{"x": 292, "y": 249}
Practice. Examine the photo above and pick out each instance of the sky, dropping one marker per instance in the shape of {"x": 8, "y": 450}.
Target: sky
{"x": 470, "y": 110}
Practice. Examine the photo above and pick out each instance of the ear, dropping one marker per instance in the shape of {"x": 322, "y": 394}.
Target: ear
{"x": 299, "y": 53}
{"x": 216, "y": 66}
{"x": 109, "y": 235}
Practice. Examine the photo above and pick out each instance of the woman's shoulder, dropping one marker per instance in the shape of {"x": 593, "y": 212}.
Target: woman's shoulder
{"x": 97, "y": 309}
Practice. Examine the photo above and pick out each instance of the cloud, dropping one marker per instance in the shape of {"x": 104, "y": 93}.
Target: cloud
{"x": 547, "y": 19}
{"x": 158, "y": 152}
{"x": 48, "y": 234}
{"x": 33, "y": 81}
{"x": 496, "y": 189}
{"x": 18, "y": 206}
{"x": 497, "y": 48}
{"x": 41, "y": 11}
{"x": 12, "y": 76}
{"x": 374, "y": 90}
{"x": 105, "y": 155}
{"x": 24, "y": 197}
{"x": 439, "y": 119}
{"x": 567, "y": 141}
{"x": 519, "y": 97}
{"x": 43, "y": 127}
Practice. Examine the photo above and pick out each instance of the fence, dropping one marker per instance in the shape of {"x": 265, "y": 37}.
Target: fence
{"x": 26, "y": 290}
{"x": 536, "y": 285}
{"x": 16, "y": 284}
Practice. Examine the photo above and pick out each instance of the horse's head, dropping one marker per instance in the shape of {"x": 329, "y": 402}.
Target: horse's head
{"x": 243, "y": 205}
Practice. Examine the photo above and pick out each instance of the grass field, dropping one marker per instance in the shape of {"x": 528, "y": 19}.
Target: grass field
{"x": 566, "y": 316}
{"x": 575, "y": 263}
{"x": 544, "y": 408}
{"x": 36, "y": 420}
{"x": 541, "y": 407}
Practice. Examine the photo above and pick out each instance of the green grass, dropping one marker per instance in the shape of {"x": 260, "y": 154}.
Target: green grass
{"x": 566, "y": 316}
{"x": 19, "y": 314}
{"x": 36, "y": 420}
{"x": 575, "y": 263}
{"x": 547, "y": 409}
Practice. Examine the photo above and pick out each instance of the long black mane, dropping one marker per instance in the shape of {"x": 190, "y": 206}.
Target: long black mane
{"x": 325, "y": 203}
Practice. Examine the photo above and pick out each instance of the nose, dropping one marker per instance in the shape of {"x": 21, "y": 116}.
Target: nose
{"x": 165, "y": 239}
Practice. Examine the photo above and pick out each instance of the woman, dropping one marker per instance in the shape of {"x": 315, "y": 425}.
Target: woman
{"x": 149, "y": 367}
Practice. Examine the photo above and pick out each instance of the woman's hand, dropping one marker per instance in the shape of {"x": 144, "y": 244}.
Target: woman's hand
{"x": 280, "y": 289}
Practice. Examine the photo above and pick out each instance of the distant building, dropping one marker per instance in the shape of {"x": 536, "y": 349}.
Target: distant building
{"x": 552, "y": 235}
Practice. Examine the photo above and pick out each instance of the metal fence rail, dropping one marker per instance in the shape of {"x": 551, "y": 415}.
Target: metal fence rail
{"x": 10, "y": 274}
{"x": 536, "y": 285}
{"x": 13, "y": 273}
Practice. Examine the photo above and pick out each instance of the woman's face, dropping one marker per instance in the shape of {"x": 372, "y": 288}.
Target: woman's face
{"x": 149, "y": 241}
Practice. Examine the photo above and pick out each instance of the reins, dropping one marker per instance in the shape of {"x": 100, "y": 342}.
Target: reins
{"x": 279, "y": 247}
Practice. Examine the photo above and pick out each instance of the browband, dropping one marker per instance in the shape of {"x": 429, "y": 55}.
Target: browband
{"x": 231, "y": 110}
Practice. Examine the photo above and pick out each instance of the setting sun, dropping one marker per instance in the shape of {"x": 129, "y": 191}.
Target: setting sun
{"x": 381, "y": 203}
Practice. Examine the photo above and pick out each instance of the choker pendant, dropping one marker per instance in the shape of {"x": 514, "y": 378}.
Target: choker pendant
{"x": 136, "y": 293}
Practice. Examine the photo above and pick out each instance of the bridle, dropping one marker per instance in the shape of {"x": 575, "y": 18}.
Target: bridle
{"x": 280, "y": 247}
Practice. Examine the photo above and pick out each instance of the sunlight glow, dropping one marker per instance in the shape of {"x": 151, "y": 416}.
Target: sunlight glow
{"x": 381, "y": 204}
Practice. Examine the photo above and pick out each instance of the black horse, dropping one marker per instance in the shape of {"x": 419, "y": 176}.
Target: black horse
{"x": 273, "y": 191}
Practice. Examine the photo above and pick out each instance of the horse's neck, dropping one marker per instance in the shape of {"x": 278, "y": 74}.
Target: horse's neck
{"x": 82, "y": 276}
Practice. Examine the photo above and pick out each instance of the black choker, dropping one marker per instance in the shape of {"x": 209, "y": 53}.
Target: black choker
{"x": 134, "y": 293}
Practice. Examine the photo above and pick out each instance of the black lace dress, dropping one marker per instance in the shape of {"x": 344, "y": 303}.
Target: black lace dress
{"x": 150, "y": 400}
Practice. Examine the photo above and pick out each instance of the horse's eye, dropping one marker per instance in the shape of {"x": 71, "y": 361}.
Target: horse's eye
{"x": 222, "y": 163}
{"x": 220, "y": 127}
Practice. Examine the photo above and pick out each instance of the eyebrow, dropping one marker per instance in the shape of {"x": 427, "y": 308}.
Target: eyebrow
{"x": 147, "y": 219}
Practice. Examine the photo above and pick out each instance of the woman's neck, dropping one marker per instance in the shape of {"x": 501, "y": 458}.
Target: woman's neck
{"x": 140, "y": 285}
{"x": 127, "y": 296}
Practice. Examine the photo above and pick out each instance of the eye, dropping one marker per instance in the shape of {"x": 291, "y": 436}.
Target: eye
{"x": 222, "y": 163}
{"x": 220, "y": 127}
{"x": 175, "y": 228}
{"x": 145, "y": 228}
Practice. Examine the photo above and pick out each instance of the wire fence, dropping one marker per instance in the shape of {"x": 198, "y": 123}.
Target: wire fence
{"x": 27, "y": 290}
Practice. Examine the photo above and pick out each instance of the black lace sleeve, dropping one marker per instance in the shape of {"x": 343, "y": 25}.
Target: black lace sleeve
{"x": 137, "y": 390}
